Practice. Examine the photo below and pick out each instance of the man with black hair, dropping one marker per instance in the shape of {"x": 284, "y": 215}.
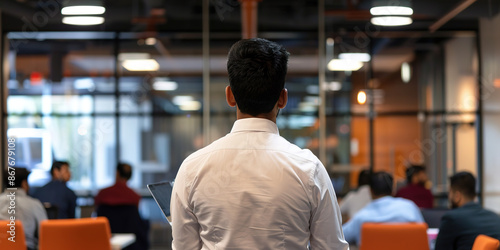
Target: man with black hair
{"x": 415, "y": 189}
{"x": 119, "y": 193}
{"x": 252, "y": 189}
{"x": 359, "y": 198}
{"x": 28, "y": 210}
{"x": 383, "y": 208}
{"x": 460, "y": 227}
{"x": 56, "y": 193}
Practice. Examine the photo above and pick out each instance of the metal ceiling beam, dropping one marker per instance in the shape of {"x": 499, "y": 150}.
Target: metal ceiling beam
{"x": 454, "y": 12}
{"x": 249, "y": 18}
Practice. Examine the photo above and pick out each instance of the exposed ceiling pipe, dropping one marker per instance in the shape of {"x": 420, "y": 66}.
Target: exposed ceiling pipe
{"x": 454, "y": 12}
{"x": 249, "y": 18}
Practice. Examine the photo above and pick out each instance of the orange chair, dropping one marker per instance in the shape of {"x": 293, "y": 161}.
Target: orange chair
{"x": 394, "y": 236}
{"x": 75, "y": 234}
{"x": 484, "y": 242}
{"x": 20, "y": 238}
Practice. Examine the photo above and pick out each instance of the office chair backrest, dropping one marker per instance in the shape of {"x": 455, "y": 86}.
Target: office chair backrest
{"x": 484, "y": 242}
{"x": 51, "y": 210}
{"x": 433, "y": 216}
{"x": 126, "y": 219}
{"x": 6, "y": 233}
{"x": 394, "y": 236}
{"x": 75, "y": 234}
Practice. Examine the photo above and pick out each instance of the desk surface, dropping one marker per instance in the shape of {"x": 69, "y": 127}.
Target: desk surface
{"x": 120, "y": 241}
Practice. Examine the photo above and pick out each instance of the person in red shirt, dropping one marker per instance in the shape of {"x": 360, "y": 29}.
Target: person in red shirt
{"x": 119, "y": 193}
{"x": 415, "y": 189}
{"x": 120, "y": 205}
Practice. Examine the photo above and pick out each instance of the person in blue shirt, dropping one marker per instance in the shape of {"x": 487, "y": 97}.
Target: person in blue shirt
{"x": 56, "y": 193}
{"x": 383, "y": 208}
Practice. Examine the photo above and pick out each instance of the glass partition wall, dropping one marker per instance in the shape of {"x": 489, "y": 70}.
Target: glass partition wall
{"x": 152, "y": 98}
{"x": 76, "y": 100}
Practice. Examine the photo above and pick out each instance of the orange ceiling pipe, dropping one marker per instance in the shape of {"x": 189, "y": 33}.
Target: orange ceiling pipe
{"x": 249, "y": 18}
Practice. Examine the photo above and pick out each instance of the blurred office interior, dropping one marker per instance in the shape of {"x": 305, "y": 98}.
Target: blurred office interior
{"x": 146, "y": 87}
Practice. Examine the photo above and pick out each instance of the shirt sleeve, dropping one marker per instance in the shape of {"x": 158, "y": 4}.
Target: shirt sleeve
{"x": 326, "y": 220}
{"x": 185, "y": 227}
{"x": 446, "y": 238}
{"x": 418, "y": 214}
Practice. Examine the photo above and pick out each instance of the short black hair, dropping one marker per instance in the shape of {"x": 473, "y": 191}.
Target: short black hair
{"x": 124, "y": 170}
{"x": 257, "y": 69}
{"x": 381, "y": 183}
{"x": 413, "y": 170}
{"x": 364, "y": 178}
{"x": 57, "y": 165}
{"x": 465, "y": 183}
{"x": 20, "y": 175}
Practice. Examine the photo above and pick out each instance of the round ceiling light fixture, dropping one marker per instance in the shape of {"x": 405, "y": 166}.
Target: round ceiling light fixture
{"x": 86, "y": 7}
{"x": 83, "y": 12}
{"x": 83, "y": 20}
{"x": 391, "y": 20}
{"x": 391, "y": 13}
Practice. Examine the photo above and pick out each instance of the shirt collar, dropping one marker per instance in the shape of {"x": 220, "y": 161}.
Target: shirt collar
{"x": 255, "y": 125}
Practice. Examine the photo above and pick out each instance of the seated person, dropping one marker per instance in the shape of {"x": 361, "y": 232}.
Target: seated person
{"x": 460, "y": 227}
{"x": 383, "y": 208}
{"x": 28, "y": 210}
{"x": 119, "y": 193}
{"x": 56, "y": 193}
{"x": 120, "y": 204}
{"x": 415, "y": 189}
{"x": 359, "y": 198}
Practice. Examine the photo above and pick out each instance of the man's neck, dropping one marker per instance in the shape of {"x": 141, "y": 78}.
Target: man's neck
{"x": 270, "y": 116}
{"x": 376, "y": 197}
{"x": 465, "y": 202}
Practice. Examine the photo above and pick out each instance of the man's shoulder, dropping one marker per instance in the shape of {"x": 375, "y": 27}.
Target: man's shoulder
{"x": 33, "y": 202}
{"x": 460, "y": 213}
{"x": 280, "y": 145}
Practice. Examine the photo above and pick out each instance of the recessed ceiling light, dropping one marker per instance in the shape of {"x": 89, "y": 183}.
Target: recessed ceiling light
{"x": 164, "y": 85}
{"x": 150, "y": 41}
{"x": 332, "y": 86}
{"x": 190, "y": 106}
{"x": 182, "y": 99}
{"x": 391, "y": 20}
{"x": 141, "y": 65}
{"x": 83, "y": 7}
{"x": 405, "y": 72}
{"x": 391, "y": 10}
{"x": 362, "y": 57}
{"x": 83, "y": 20}
{"x": 83, "y": 10}
{"x": 361, "y": 97}
{"x": 344, "y": 65}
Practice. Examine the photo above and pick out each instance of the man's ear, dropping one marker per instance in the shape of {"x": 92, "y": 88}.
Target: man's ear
{"x": 230, "y": 97}
{"x": 24, "y": 185}
{"x": 283, "y": 100}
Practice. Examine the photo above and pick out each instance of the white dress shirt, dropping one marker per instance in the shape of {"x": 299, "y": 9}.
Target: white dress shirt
{"x": 28, "y": 210}
{"x": 355, "y": 201}
{"x": 252, "y": 189}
